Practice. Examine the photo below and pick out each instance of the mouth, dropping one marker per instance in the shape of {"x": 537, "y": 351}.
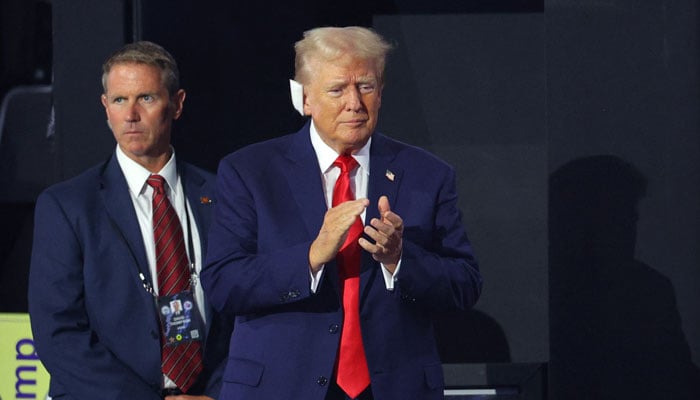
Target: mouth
{"x": 355, "y": 122}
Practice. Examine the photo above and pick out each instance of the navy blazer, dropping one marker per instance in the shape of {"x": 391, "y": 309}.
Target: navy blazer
{"x": 271, "y": 207}
{"x": 95, "y": 327}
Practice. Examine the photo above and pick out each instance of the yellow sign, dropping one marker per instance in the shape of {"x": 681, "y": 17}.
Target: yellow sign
{"x": 22, "y": 376}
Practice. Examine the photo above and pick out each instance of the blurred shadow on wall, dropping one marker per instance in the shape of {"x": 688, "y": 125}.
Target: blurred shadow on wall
{"x": 615, "y": 328}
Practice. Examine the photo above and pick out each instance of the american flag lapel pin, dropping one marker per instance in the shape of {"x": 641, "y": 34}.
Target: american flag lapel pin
{"x": 390, "y": 175}
{"x": 205, "y": 200}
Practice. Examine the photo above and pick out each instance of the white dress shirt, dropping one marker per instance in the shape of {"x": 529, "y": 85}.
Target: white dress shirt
{"x": 141, "y": 196}
{"x": 359, "y": 180}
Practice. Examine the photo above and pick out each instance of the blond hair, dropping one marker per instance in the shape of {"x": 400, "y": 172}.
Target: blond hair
{"x": 330, "y": 43}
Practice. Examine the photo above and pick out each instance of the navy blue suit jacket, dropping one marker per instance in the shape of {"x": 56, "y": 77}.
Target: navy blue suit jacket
{"x": 271, "y": 207}
{"x": 95, "y": 327}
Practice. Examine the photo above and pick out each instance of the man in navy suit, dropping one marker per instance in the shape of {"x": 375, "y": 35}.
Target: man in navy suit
{"x": 276, "y": 236}
{"x": 93, "y": 282}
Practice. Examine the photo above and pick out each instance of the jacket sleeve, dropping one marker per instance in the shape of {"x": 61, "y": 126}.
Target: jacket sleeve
{"x": 238, "y": 277}
{"x": 438, "y": 269}
{"x": 78, "y": 362}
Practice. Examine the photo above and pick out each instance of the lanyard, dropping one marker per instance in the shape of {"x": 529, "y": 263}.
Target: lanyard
{"x": 190, "y": 257}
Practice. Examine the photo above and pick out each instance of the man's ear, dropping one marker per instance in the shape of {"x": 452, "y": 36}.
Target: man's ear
{"x": 103, "y": 99}
{"x": 307, "y": 105}
{"x": 178, "y": 103}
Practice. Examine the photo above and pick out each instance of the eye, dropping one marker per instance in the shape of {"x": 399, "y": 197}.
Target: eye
{"x": 147, "y": 98}
{"x": 366, "y": 88}
{"x": 118, "y": 100}
{"x": 335, "y": 92}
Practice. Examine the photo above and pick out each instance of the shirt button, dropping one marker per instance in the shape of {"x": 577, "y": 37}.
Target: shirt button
{"x": 333, "y": 328}
{"x": 322, "y": 381}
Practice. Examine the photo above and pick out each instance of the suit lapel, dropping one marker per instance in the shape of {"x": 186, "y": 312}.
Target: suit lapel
{"x": 385, "y": 176}
{"x": 384, "y": 180}
{"x": 302, "y": 173}
{"x": 120, "y": 208}
{"x": 199, "y": 200}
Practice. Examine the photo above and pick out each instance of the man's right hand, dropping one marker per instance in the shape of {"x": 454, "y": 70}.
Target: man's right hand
{"x": 334, "y": 230}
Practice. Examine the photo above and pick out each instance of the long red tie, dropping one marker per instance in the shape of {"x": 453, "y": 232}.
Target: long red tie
{"x": 181, "y": 363}
{"x": 352, "y": 373}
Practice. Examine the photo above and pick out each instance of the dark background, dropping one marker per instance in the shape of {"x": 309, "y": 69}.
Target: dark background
{"x": 573, "y": 127}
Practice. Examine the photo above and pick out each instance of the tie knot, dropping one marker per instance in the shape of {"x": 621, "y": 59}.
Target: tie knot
{"x": 157, "y": 182}
{"x": 346, "y": 163}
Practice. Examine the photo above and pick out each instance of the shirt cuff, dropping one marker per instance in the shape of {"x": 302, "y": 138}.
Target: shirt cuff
{"x": 390, "y": 278}
{"x": 316, "y": 279}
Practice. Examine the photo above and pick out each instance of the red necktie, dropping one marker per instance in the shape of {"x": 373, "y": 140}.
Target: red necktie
{"x": 183, "y": 362}
{"x": 352, "y": 374}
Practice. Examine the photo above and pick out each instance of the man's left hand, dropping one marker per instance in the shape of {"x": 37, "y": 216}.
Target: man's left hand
{"x": 387, "y": 234}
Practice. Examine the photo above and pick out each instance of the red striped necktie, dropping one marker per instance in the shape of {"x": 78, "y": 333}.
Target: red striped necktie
{"x": 181, "y": 363}
{"x": 352, "y": 371}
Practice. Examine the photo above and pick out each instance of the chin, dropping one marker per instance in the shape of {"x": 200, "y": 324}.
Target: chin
{"x": 361, "y": 138}
{"x": 357, "y": 134}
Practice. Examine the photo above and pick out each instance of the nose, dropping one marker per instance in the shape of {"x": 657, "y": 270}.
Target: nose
{"x": 353, "y": 100}
{"x": 132, "y": 114}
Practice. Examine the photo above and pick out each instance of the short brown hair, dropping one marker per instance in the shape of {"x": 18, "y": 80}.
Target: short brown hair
{"x": 148, "y": 53}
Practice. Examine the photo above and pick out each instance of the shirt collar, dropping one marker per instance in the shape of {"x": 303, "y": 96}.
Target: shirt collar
{"x": 326, "y": 155}
{"x": 136, "y": 175}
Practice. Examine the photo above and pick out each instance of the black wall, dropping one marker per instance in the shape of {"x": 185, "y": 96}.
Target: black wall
{"x": 573, "y": 127}
{"x": 622, "y": 105}
{"x": 470, "y": 87}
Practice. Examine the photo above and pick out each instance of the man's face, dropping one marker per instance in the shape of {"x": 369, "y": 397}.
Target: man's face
{"x": 343, "y": 99}
{"x": 140, "y": 111}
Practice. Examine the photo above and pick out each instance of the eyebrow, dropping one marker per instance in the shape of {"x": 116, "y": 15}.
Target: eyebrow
{"x": 367, "y": 79}
{"x": 360, "y": 80}
{"x": 118, "y": 95}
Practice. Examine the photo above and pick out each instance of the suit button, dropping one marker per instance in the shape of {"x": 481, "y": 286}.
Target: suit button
{"x": 289, "y": 295}
{"x": 408, "y": 298}
{"x": 322, "y": 381}
{"x": 333, "y": 328}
